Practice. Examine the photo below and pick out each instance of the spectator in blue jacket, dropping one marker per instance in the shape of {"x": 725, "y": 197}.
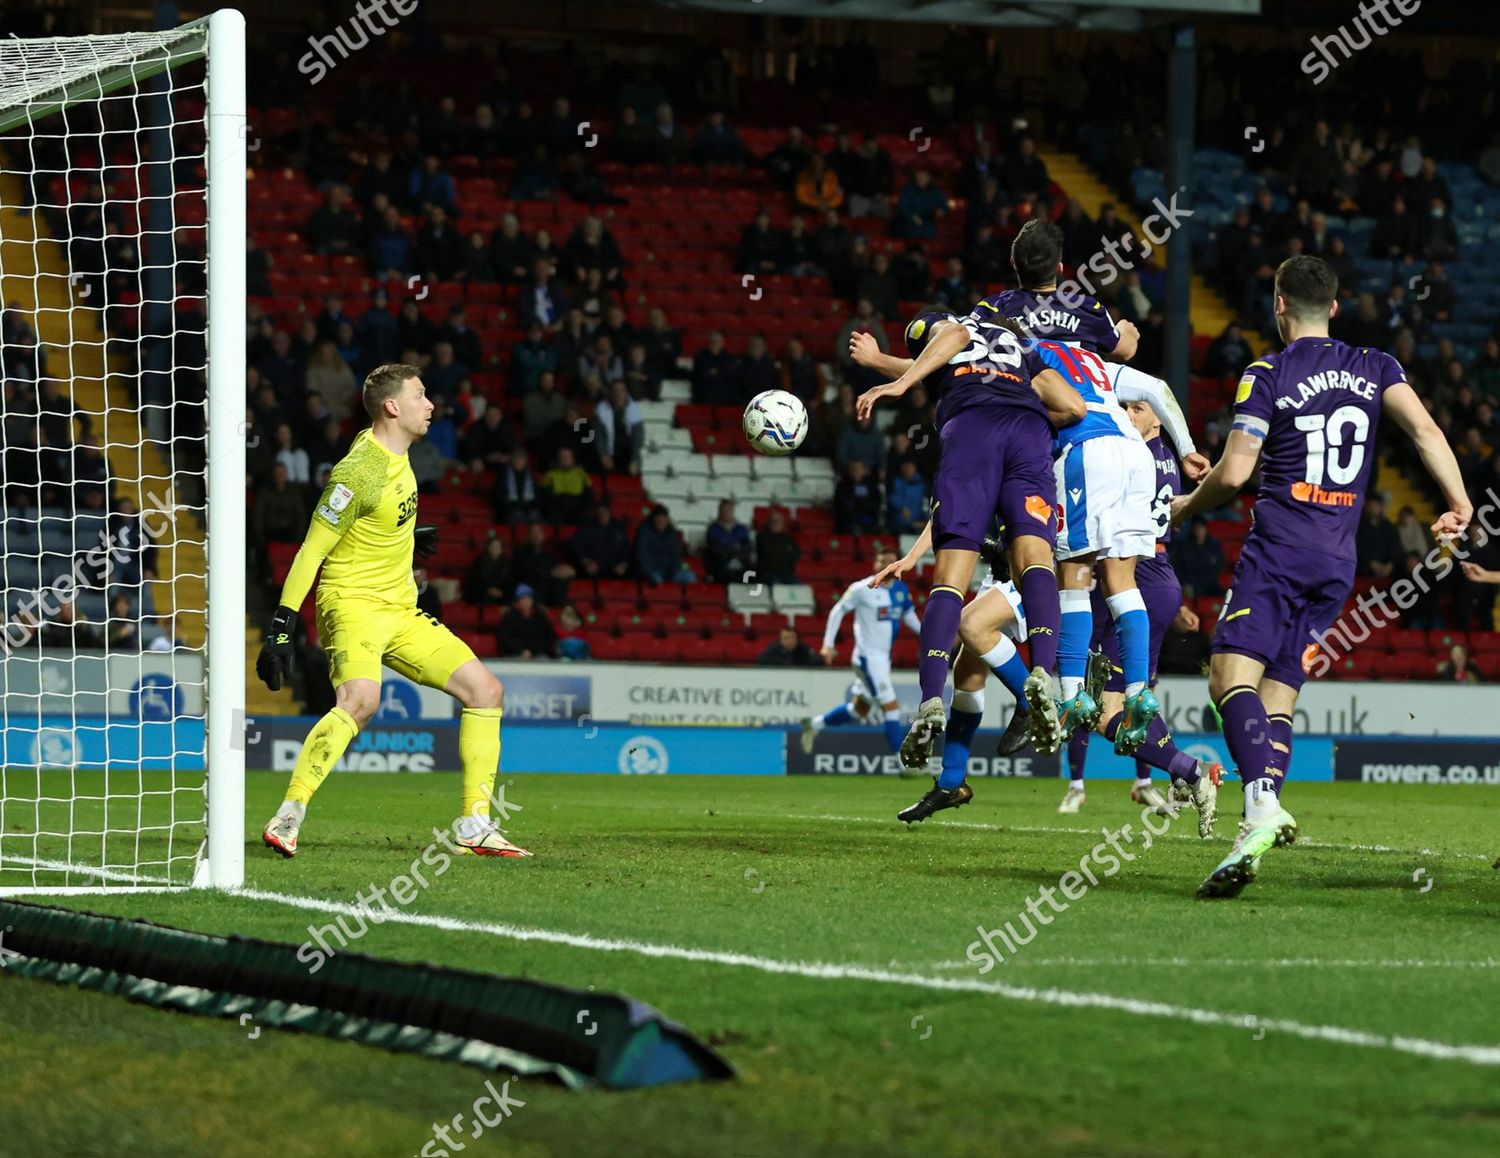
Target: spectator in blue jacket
{"x": 718, "y": 143}
{"x": 861, "y": 441}
{"x": 431, "y": 185}
{"x": 378, "y": 333}
{"x": 921, "y": 207}
{"x": 390, "y": 247}
{"x": 658, "y": 550}
{"x": 727, "y": 550}
{"x": 907, "y": 500}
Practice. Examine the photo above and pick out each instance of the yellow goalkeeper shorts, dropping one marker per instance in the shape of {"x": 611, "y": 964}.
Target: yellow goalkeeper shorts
{"x": 361, "y": 634}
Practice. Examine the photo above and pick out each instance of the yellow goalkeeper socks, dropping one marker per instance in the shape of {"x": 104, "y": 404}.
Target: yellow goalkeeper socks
{"x": 323, "y": 748}
{"x": 479, "y": 748}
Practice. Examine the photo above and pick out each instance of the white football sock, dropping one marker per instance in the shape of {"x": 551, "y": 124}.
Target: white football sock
{"x": 1261, "y": 801}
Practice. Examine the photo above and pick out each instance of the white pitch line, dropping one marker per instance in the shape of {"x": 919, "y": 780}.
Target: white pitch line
{"x": 1486, "y": 1055}
{"x": 1301, "y": 843}
{"x": 64, "y": 866}
{"x": 1222, "y": 963}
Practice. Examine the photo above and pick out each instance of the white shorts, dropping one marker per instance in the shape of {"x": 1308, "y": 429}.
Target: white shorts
{"x": 874, "y": 682}
{"x": 1105, "y": 488}
{"x": 1016, "y": 629}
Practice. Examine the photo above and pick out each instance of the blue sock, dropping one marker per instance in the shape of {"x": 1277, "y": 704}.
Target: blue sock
{"x": 1134, "y": 627}
{"x": 1006, "y": 662}
{"x": 1073, "y": 648}
{"x": 836, "y": 716}
{"x": 958, "y": 740}
{"x": 894, "y": 732}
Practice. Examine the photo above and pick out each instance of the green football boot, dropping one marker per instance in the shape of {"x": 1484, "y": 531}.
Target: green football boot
{"x": 1140, "y": 710}
{"x": 1238, "y": 869}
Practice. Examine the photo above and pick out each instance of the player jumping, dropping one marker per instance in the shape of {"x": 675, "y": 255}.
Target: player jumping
{"x": 1193, "y": 780}
{"x": 362, "y": 535}
{"x": 879, "y": 611}
{"x": 1103, "y": 478}
{"x": 996, "y": 405}
{"x": 1308, "y": 416}
{"x": 992, "y": 625}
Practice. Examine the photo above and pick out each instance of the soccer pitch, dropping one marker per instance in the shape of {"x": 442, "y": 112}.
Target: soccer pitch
{"x": 822, "y": 946}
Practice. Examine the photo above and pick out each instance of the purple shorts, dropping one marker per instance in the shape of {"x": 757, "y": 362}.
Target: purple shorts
{"x": 997, "y": 460}
{"x": 1162, "y": 594}
{"x": 1281, "y": 597}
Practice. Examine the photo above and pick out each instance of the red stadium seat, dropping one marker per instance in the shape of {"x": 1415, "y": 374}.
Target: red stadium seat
{"x": 706, "y": 651}
{"x": 460, "y": 616}
{"x": 619, "y": 590}
{"x": 665, "y": 596}
{"x": 640, "y": 645}
{"x": 707, "y": 595}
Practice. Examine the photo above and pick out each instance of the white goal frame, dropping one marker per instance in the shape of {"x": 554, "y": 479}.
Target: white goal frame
{"x": 133, "y": 57}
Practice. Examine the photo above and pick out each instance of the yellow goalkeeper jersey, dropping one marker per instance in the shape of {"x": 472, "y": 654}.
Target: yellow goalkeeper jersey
{"x": 362, "y": 531}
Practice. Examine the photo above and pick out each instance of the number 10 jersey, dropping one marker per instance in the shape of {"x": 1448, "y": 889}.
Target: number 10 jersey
{"x": 1316, "y": 405}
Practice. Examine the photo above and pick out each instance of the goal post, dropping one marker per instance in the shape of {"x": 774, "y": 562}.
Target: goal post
{"x": 122, "y": 356}
{"x": 225, "y": 112}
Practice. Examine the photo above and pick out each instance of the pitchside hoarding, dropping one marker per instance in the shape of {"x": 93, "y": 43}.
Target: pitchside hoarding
{"x": 864, "y": 752}
{"x": 660, "y": 694}
{"x": 1394, "y": 761}
{"x": 581, "y": 746}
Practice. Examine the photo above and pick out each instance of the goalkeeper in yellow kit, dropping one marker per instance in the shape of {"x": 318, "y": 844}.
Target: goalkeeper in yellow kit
{"x": 363, "y": 533}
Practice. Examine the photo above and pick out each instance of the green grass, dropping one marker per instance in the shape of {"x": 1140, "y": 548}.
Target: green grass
{"x": 837, "y": 1066}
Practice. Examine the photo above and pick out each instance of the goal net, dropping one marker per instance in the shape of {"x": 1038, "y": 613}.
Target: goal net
{"x": 122, "y": 549}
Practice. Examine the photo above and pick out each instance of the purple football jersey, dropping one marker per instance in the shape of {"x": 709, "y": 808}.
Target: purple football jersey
{"x": 1055, "y": 317}
{"x": 1158, "y": 568}
{"x": 995, "y": 370}
{"x": 1317, "y": 406}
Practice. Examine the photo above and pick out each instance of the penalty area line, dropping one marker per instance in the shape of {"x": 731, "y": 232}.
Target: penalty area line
{"x": 1301, "y": 843}
{"x": 1485, "y": 1055}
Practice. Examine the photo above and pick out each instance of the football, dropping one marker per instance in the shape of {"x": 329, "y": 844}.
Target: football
{"x": 775, "y": 422}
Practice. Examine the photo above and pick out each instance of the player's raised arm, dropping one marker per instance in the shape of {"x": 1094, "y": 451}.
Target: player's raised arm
{"x": 948, "y": 340}
{"x": 1253, "y": 408}
{"x": 1400, "y": 401}
{"x": 334, "y": 515}
{"x": 1225, "y": 480}
{"x": 1135, "y": 386}
{"x": 908, "y": 561}
{"x": 866, "y": 352}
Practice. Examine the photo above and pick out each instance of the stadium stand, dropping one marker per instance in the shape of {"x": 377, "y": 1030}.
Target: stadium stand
{"x": 494, "y": 242}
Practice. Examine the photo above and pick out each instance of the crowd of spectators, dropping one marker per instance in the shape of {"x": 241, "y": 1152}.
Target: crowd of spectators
{"x": 64, "y": 514}
{"x": 856, "y": 228}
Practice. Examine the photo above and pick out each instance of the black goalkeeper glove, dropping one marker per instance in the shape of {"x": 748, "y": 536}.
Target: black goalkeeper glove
{"x": 274, "y": 664}
{"x": 425, "y": 541}
{"x": 993, "y": 553}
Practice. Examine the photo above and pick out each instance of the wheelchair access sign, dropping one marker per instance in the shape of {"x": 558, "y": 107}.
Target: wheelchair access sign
{"x": 156, "y": 697}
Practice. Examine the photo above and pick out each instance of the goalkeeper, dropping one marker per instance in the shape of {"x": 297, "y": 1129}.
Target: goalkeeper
{"x": 363, "y": 534}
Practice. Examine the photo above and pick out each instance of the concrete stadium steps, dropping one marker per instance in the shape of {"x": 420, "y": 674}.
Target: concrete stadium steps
{"x": 1402, "y": 492}
{"x": 692, "y": 482}
{"x": 1210, "y": 312}
{"x": 35, "y": 275}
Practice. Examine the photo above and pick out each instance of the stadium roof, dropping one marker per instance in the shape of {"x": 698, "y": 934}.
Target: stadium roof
{"x": 1092, "y": 15}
